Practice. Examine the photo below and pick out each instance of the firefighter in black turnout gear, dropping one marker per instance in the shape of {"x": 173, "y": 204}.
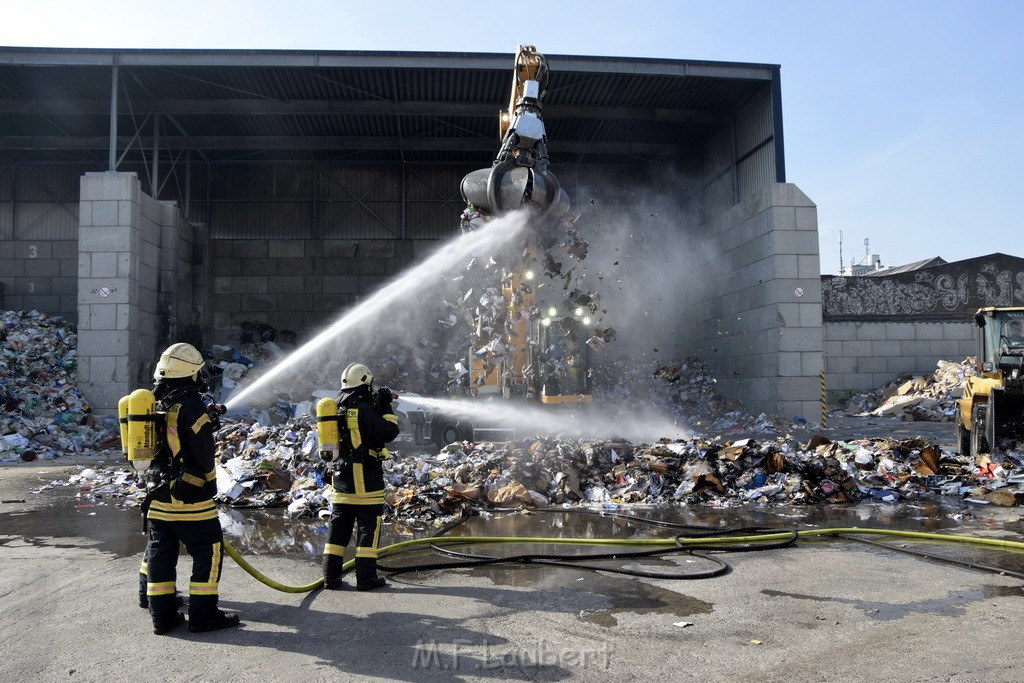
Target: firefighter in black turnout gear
{"x": 180, "y": 508}
{"x": 365, "y": 423}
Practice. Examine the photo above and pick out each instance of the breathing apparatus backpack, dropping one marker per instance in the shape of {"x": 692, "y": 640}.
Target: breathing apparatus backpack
{"x": 144, "y": 433}
{"x": 333, "y": 433}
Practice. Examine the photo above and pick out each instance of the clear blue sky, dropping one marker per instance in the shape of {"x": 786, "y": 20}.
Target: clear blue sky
{"x": 902, "y": 119}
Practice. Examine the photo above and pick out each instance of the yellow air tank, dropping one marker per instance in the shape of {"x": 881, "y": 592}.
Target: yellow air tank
{"x": 327, "y": 428}
{"x": 122, "y": 419}
{"x": 141, "y": 428}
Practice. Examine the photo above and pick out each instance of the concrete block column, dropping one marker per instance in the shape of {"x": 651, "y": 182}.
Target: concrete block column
{"x": 124, "y": 280}
{"x": 764, "y": 328}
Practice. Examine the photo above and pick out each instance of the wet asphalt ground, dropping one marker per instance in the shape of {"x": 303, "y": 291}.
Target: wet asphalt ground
{"x": 824, "y": 609}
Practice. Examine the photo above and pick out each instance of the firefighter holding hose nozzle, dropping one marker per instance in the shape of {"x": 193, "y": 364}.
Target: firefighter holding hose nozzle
{"x": 352, "y": 433}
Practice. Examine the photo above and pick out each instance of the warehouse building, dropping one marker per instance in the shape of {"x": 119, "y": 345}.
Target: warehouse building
{"x": 160, "y": 195}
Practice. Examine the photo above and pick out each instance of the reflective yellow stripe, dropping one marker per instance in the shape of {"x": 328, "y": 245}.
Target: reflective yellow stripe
{"x": 183, "y": 518}
{"x": 368, "y": 494}
{"x": 357, "y": 478}
{"x": 163, "y": 588}
{"x": 172, "y": 429}
{"x": 366, "y": 552}
{"x": 192, "y": 479}
{"x": 374, "y": 498}
{"x": 164, "y": 516}
{"x": 198, "y": 424}
{"x": 352, "y": 422}
{"x": 215, "y": 567}
{"x": 211, "y": 475}
{"x": 390, "y": 418}
{"x": 177, "y": 506}
{"x": 376, "y": 534}
{"x": 205, "y": 588}
{"x": 334, "y": 549}
{"x": 144, "y": 568}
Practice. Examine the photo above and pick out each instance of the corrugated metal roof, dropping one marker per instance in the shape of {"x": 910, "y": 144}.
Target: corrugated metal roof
{"x": 367, "y": 107}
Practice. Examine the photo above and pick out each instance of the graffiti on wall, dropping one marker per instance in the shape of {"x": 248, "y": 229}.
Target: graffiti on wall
{"x": 953, "y": 291}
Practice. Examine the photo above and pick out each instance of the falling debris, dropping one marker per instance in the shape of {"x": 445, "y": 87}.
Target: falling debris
{"x": 574, "y": 245}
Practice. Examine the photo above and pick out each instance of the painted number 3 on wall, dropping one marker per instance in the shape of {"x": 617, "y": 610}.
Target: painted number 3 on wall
{"x": 33, "y": 252}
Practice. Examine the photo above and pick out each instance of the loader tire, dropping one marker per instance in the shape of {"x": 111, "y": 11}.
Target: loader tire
{"x": 979, "y": 443}
{"x": 963, "y": 436}
{"x": 447, "y": 432}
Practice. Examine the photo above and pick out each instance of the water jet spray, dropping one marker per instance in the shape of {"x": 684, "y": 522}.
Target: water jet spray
{"x": 407, "y": 286}
{"x": 592, "y": 421}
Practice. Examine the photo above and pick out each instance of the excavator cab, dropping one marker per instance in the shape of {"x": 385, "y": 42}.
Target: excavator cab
{"x": 560, "y": 358}
{"x": 992, "y": 406}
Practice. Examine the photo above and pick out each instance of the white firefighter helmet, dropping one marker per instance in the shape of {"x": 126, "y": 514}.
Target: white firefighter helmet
{"x": 179, "y": 360}
{"x": 355, "y": 375}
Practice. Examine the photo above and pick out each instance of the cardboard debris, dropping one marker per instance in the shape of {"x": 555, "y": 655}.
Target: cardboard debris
{"x": 932, "y": 398}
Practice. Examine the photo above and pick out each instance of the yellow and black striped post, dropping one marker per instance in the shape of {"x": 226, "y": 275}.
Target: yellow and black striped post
{"x": 824, "y": 402}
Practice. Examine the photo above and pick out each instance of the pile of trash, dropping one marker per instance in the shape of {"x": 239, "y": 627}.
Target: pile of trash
{"x": 778, "y": 471}
{"x": 932, "y": 398}
{"x": 279, "y": 467}
{"x": 42, "y": 415}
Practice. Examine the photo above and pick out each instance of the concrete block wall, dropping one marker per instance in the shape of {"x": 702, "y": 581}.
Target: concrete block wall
{"x": 38, "y": 246}
{"x": 39, "y": 274}
{"x": 760, "y": 325}
{"x": 861, "y": 356}
{"x": 192, "y": 274}
{"x": 299, "y": 284}
{"x": 127, "y": 287}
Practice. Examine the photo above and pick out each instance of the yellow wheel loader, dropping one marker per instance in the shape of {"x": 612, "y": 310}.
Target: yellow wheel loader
{"x": 992, "y": 407}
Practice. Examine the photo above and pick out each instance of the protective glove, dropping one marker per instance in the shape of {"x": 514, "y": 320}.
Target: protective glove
{"x": 214, "y": 411}
{"x": 383, "y": 401}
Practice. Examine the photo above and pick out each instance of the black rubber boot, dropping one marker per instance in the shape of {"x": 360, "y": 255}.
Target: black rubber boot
{"x": 143, "y": 597}
{"x": 371, "y": 584}
{"x": 214, "y": 622}
{"x": 163, "y": 625}
{"x": 144, "y": 600}
{"x": 366, "y": 575}
{"x": 332, "y": 565}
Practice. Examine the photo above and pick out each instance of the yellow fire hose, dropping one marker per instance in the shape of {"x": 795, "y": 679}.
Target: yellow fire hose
{"x": 644, "y": 542}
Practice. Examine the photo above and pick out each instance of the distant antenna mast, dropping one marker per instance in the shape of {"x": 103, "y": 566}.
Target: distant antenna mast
{"x": 840, "y": 252}
{"x": 867, "y": 250}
